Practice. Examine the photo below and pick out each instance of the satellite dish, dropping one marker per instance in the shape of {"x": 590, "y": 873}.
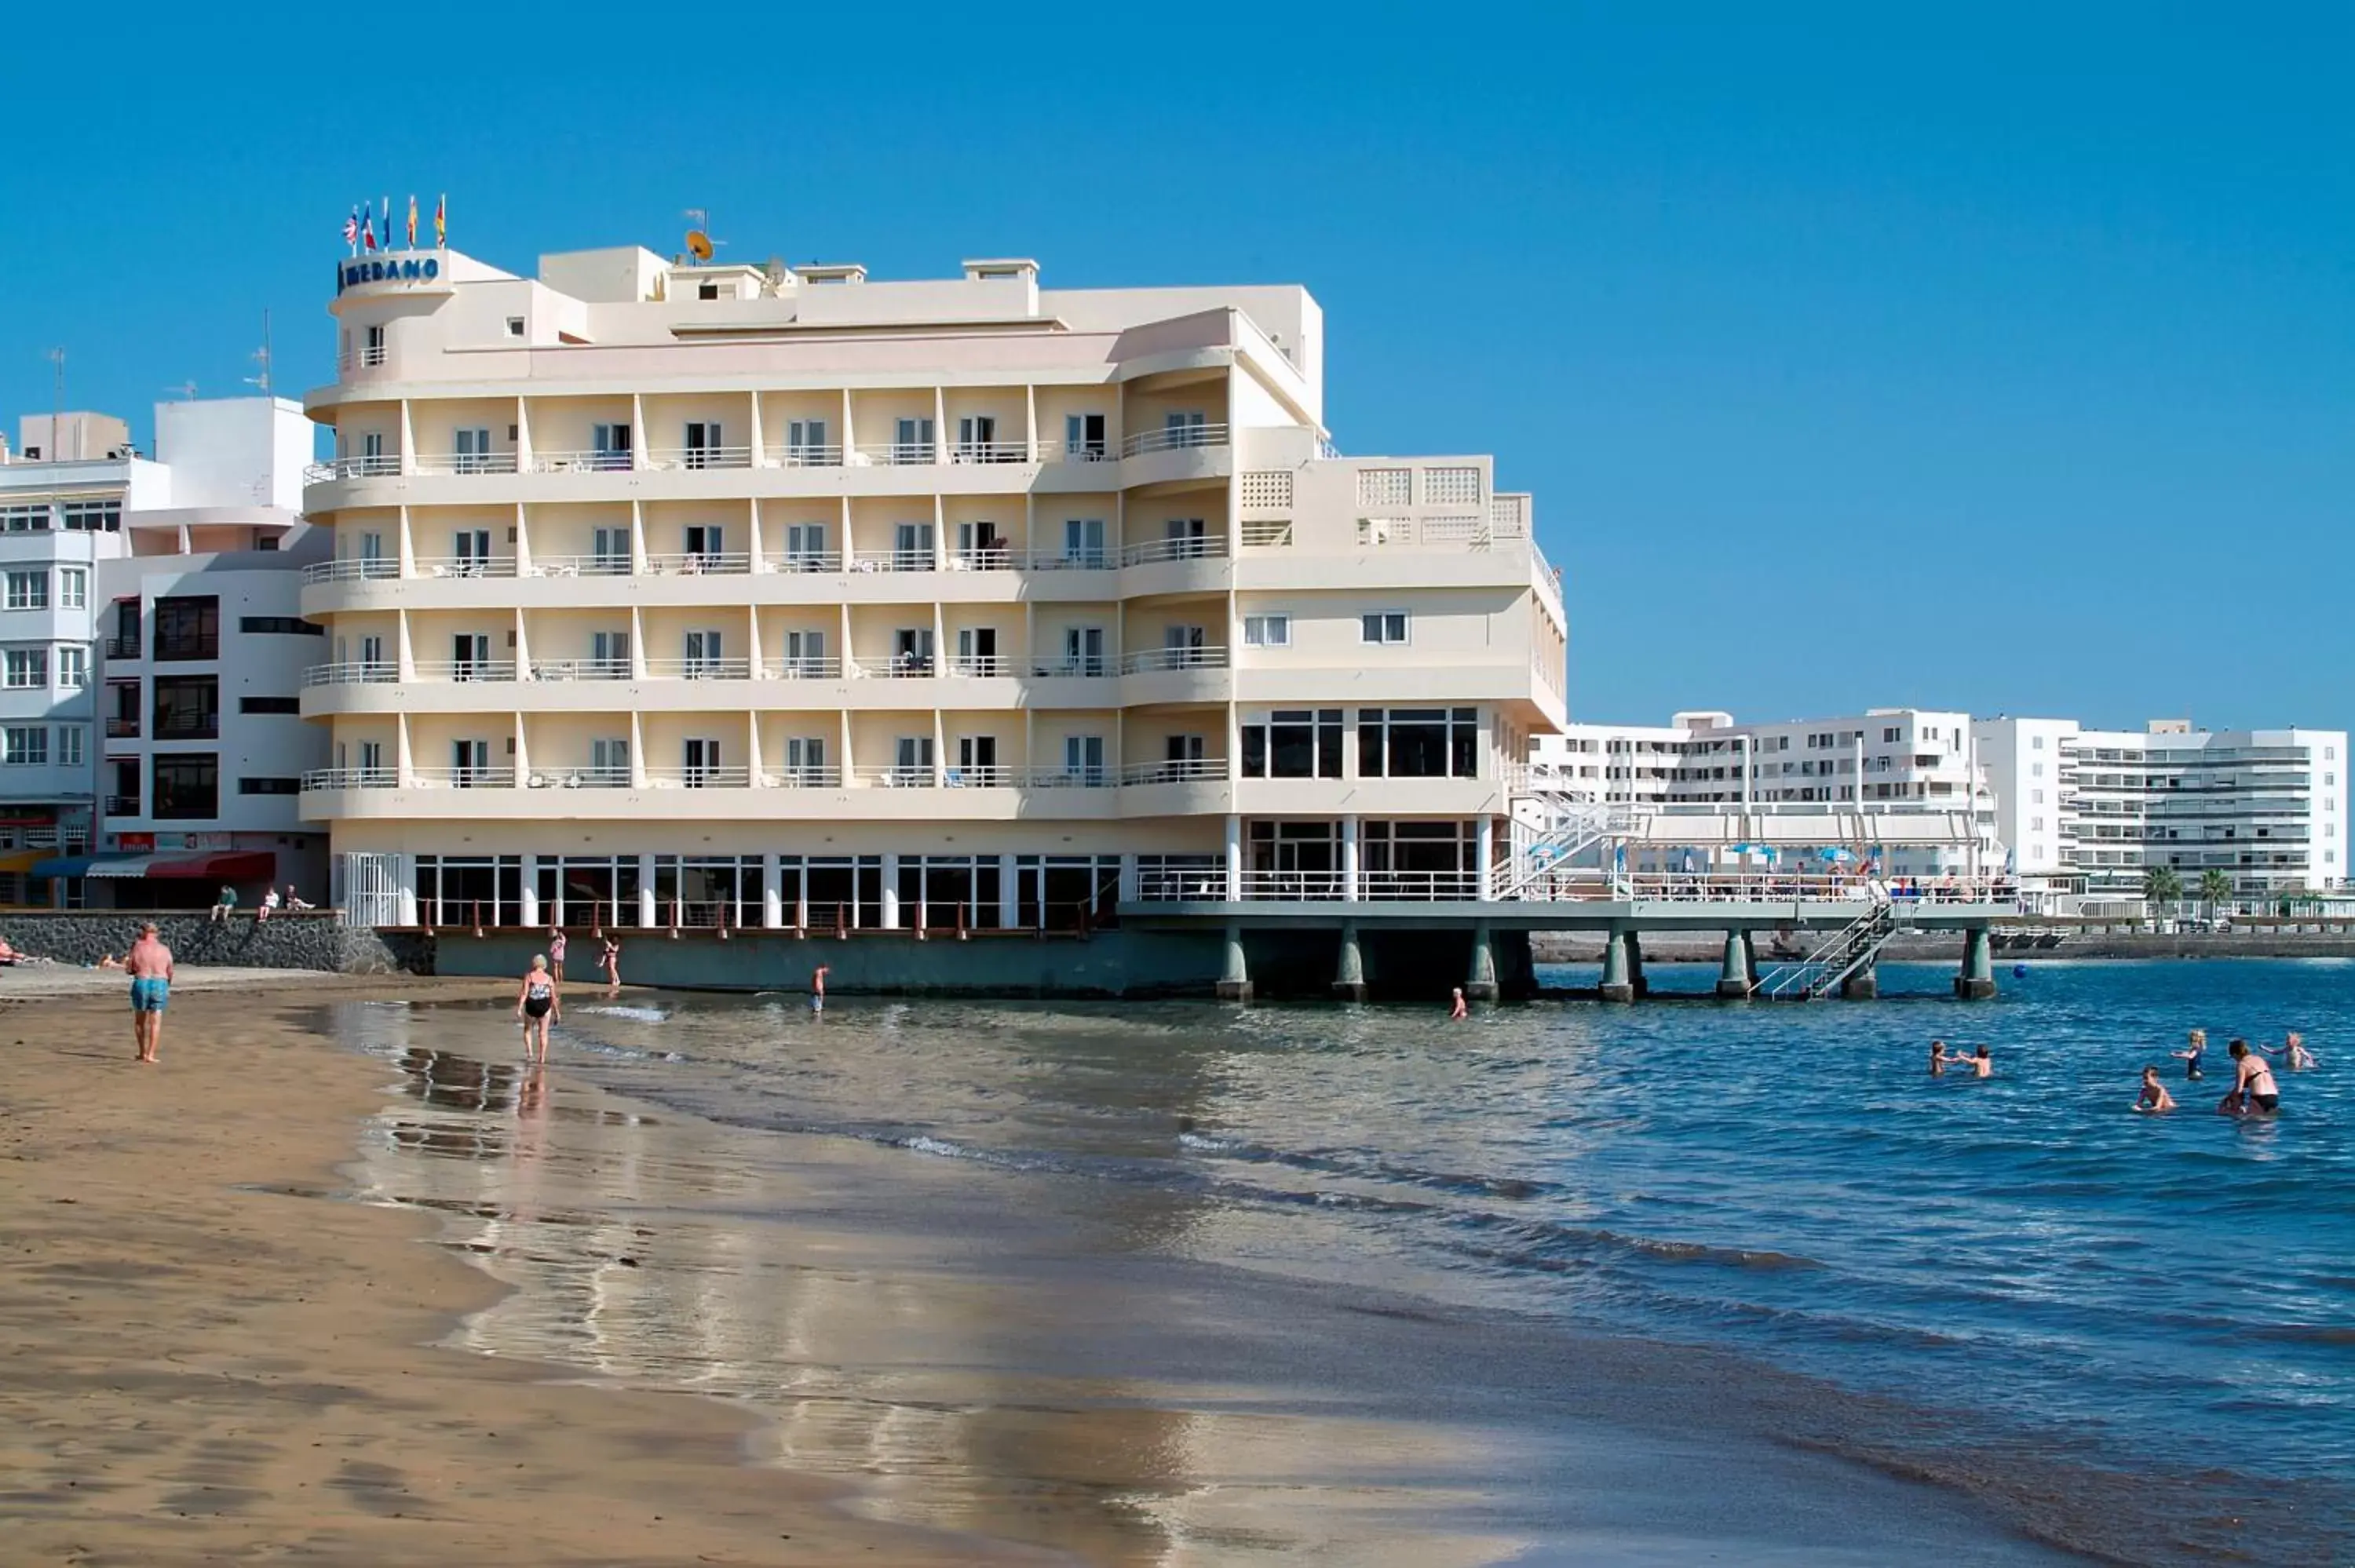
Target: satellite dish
{"x": 698, "y": 245}
{"x": 773, "y": 277}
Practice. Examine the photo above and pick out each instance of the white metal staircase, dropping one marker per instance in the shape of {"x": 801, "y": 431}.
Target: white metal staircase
{"x": 1578, "y": 825}
{"x": 1848, "y": 949}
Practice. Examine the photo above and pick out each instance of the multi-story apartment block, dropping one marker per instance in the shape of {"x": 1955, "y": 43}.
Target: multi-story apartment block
{"x": 2091, "y": 811}
{"x": 1893, "y": 757}
{"x": 680, "y": 593}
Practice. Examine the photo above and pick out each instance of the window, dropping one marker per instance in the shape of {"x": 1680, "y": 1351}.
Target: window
{"x": 187, "y": 786}
{"x": 2036, "y": 770}
{"x": 2036, "y": 743}
{"x": 92, "y": 516}
{"x": 515, "y": 326}
{"x": 1383, "y": 626}
{"x": 73, "y": 666}
{"x": 24, "y": 519}
{"x": 28, "y": 590}
{"x": 25, "y": 745}
{"x": 2035, "y": 824}
{"x": 188, "y": 707}
{"x": 1295, "y": 742}
{"x": 707, "y": 291}
{"x": 187, "y": 628}
{"x": 270, "y": 705}
{"x": 26, "y": 667}
{"x": 1267, "y": 632}
{"x": 73, "y": 588}
{"x": 1419, "y": 743}
{"x": 270, "y": 785}
{"x": 280, "y": 626}
{"x": 2036, "y": 797}
{"x": 72, "y": 742}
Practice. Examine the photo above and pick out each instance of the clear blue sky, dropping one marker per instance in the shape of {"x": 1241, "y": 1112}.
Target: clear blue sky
{"x": 1991, "y": 357}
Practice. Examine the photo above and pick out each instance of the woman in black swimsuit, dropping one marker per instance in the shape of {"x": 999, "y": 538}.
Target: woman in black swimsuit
{"x": 537, "y": 1006}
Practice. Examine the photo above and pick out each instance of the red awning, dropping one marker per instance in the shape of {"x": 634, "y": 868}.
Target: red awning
{"x": 232, "y": 865}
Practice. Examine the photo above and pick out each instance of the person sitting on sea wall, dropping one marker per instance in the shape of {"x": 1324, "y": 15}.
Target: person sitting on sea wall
{"x": 2154, "y": 1097}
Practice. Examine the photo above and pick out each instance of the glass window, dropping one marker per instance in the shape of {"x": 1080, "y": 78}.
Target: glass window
{"x": 1383, "y": 626}
{"x": 26, "y": 667}
{"x": 73, "y": 588}
{"x": 24, "y": 519}
{"x": 1419, "y": 743}
{"x": 28, "y": 590}
{"x": 187, "y": 628}
{"x": 73, "y": 667}
{"x": 1267, "y": 630}
{"x": 1293, "y": 743}
{"x": 187, "y": 786}
{"x": 25, "y": 745}
{"x": 72, "y": 742}
{"x": 92, "y": 516}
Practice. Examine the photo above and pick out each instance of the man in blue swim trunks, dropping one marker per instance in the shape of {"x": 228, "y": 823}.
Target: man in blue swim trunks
{"x": 149, "y": 964}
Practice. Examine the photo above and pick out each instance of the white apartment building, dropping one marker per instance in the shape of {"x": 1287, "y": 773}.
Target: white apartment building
{"x": 1893, "y": 757}
{"x": 694, "y": 594}
{"x": 2091, "y": 811}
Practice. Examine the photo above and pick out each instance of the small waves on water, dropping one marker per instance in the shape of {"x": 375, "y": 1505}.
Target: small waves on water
{"x": 1783, "y": 1181}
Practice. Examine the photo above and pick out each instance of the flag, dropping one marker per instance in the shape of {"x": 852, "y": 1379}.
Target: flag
{"x": 352, "y": 229}
{"x": 441, "y": 221}
{"x": 413, "y": 223}
{"x": 367, "y": 230}
{"x": 388, "y": 223}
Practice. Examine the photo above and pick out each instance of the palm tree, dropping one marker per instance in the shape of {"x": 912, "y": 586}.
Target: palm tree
{"x": 2215, "y": 887}
{"x": 2160, "y": 888}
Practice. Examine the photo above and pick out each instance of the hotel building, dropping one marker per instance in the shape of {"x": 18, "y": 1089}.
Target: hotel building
{"x": 2091, "y": 811}
{"x": 668, "y": 593}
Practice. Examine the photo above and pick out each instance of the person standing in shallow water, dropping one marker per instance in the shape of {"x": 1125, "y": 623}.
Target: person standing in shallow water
{"x": 2192, "y": 1055}
{"x": 2252, "y": 1084}
{"x": 537, "y": 1006}
{"x": 1455, "y": 1007}
{"x": 555, "y": 944}
{"x": 149, "y": 964}
{"x": 817, "y": 990}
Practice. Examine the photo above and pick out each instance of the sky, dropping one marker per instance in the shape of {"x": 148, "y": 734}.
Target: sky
{"x": 1995, "y": 358}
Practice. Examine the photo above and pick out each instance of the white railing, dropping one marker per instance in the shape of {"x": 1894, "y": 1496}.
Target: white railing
{"x": 1266, "y": 532}
{"x": 979, "y": 666}
{"x": 997, "y": 557}
{"x": 351, "y": 779}
{"x": 805, "y": 455}
{"x": 802, "y": 778}
{"x": 893, "y": 667}
{"x": 1074, "y": 669}
{"x": 379, "y": 465}
{"x": 1101, "y": 560}
{"x": 368, "y": 672}
{"x": 895, "y": 453}
{"x": 465, "y": 462}
{"x": 589, "y": 778}
{"x": 580, "y": 669}
{"x": 1427, "y": 887}
{"x": 806, "y": 667}
{"x": 990, "y": 452}
{"x": 351, "y": 568}
{"x": 605, "y": 565}
{"x": 465, "y": 566}
{"x": 723, "y": 778}
{"x": 1292, "y": 886}
{"x": 1182, "y": 884}
{"x": 372, "y": 356}
{"x": 1173, "y": 439}
{"x": 699, "y": 456}
{"x": 701, "y": 564}
{"x": 581, "y": 463}
{"x": 1077, "y": 451}
{"x": 893, "y": 561}
{"x": 465, "y": 670}
{"x": 921, "y": 777}
{"x": 718, "y": 669}
{"x": 500, "y": 778}
{"x": 804, "y": 561}
{"x": 983, "y": 776}
{"x": 1173, "y": 659}
{"x": 1206, "y": 548}
{"x": 1079, "y": 778}
{"x": 1183, "y": 770}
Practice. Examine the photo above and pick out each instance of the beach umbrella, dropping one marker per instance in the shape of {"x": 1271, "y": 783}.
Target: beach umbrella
{"x": 1835, "y": 856}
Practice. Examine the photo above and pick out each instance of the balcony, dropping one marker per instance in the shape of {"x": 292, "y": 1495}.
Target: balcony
{"x": 1176, "y": 437}
{"x": 894, "y": 454}
{"x": 580, "y": 669}
{"x": 581, "y": 463}
{"x": 989, "y": 451}
{"x": 465, "y": 566}
{"x": 123, "y": 805}
{"x": 1150, "y": 659}
{"x": 123, "y": 728}
{"x": 805, "y": 454}
{"x": 359, "y": 673}
{"x": 323, "y": 778}
{"x": 714, "y": 669}
{"x": 351, "y": 568}
{"x": 502, "y": 777}
{"x": 701, "y": 563}
{"x": 465, "y": 463}
{"x": 605, "y": 565}
{"x": 371, "y": 465}
{"x": 699, "y": 456}
{"x": 1182, "y": 770}
{"x": 465, "y": 670}
{"x": 589, "y": 778}
{"x": 121, "y": 648}
{"x": 204, "y": 725}
{"x": 1201, "y": 547}
{"x": 802, "y": 668}
{"x": 737, "y": 777}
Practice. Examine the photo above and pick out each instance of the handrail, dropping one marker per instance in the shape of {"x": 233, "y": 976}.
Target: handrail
{"x": 445, "y": 463}
{"x": 911, "y": 560}
{"x": 589, "y": 777}
{"x": 351, "y": 779}
{"x": 921, "y": 775}
{"x": 465, "y": 566}
{"x": 376, "y": 465}
{"x": 979, "y": 666}
{"x": 998, "y": 558}
{"x": 486, "y": 778}
{"x": 804, "y": 777}
{"x": 893, "y": 667}
{"x": 1148, "y": 658}
{"x": 734, "y": 777}
{"x": 1079, "y": 778}
{"x": 895, "y": 453}
{"x": 589, "y": 669}
{"x": 989, "y": 451}
{"x": 1205, "y": 548}
{"x": 351, "y": 568}
{"x": 699, "y": 456}
{"x": 1078, "y": 451}
{"x": 354, "y": 673}
{"x": 804, "y": 561}
{"x": 1098, "y": 560}
{"x": 701, "y": 564}
{"x": 605, "y": 565}
{"x": 582, "y": 463}
{"x": 1174, "y": 438}
{"x": 805, "y": 455}
{"x": 463, "y": 671}
{"x": 1182, "y": 770}
{"x": 803, "y": 667}
{"x": 712, "y": 669}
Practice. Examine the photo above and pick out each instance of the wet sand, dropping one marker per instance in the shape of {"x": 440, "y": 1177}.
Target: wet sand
{"x": 208, "y": 1362}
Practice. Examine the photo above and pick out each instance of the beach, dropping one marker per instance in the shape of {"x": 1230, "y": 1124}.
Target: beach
{"x": 1127, "y": 1285}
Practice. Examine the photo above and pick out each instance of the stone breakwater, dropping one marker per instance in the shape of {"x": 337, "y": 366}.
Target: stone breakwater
{"x": 285, "y": 941}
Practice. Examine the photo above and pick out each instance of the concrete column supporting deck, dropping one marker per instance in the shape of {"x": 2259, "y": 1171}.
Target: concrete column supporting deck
{"x": 1977, "y": 981}
{"x": 772, "y": 893}
{"x": 646, "y": 891}
{"x": 1234, "y": 978}
{"x": 890, "y": 893}
{"x": 1862, "y": 986}
{"x": 1349, "y": 973}
{"x": 1616, "y": 986}
{"x": 1480, "y": 983}
{"x": 530, "y": 915}
{"x": 1736, "y": 976}
{"x": 1643, "y": 986}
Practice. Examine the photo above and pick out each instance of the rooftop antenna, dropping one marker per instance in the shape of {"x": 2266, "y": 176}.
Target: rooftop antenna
{"x": 261, "y": 356}
{"x": 57, "y": 356}
{"x": 700, "y": 243}
{"x": 185, "y": 389}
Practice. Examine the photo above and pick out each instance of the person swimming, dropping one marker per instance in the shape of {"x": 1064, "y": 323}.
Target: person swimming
{"x": 1981, "y": 1065}
{"x": 2154, "y": 1097}
{"x": 2190, "y": 1057}
{"x": 1938, "y": 1058}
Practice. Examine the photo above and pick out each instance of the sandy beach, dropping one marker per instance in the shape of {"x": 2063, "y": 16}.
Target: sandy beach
{"x": 209, "y": 1363}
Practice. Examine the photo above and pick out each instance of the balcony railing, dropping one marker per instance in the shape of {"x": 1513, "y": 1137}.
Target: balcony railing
{"x": 895, "y": 453}
{"x": 465, "y": 462}
{"x": 997, "y": 557}
{"x": 990, "y": 452}
{"x": 736, "y": 778}
{"x": 351, "y": 568}
{"x": 805, "y": 454}
{"x": 608, "y": 565}
{"x": 123, "y": 805}
{"x": 699, "y": 456}
{"x": 369, "y": 465}
{"x": 914, "y": 776}
{"x": 1076, "y": 451}
{"x": 1084, "y": 777}
{"x": 701, "y": 564}
{"x": 715, "y": 668}
{"x": 1204, "y": 548}
{"x": 580, "y": 669}
{"x": 805, "y": 561}
{"x": 500, "y": 778}
{"x": 464, "y": 671}
{"x": 1150, "y": 658}
{"x": 1182, "y": 770}
{"x": 589, "y": 778}
{"x": 978, "y": 666}
{"x": 350, "y": 778}
{"x": 581, "y": 463}
{"x": 357, "y": 673}
{"x": 1098, "y": 560}
{"x": 205, "y": 725}
{"x": 465, "y": 566}
{"x": 122, "y": 730}
{"x": 802, "y": 778}
{"x": 893, "y": 667}
{"x": 893, "y": 561}
{"x": 1073, "y": 669}
{"x": 802, "y": 667}
{"x": 123, "y": 647}
{"x": 1172, "y": 438}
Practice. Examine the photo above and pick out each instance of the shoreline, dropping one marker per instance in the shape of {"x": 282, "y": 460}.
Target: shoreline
{"x": 272, "y": 1378}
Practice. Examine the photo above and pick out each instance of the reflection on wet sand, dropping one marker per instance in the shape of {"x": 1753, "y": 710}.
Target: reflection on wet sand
{"x": 673, "y": 1252}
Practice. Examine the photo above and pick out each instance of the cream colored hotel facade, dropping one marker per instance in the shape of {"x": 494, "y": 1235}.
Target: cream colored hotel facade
{"x": 676, "y": 593}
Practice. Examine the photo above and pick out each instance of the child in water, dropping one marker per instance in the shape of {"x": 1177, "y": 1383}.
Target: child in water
{"x": 2154, "y": 1096}
{"x": 2190, "y": 1057}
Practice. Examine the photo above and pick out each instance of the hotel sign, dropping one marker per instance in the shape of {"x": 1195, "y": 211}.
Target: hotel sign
{"x": 392, "y": 267}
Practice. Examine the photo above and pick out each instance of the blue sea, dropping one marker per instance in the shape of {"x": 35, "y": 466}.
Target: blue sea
{"x": 2015, "y": 1287}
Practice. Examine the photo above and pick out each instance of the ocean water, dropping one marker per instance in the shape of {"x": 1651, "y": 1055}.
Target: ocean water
{"x": 2026, "y": 1286}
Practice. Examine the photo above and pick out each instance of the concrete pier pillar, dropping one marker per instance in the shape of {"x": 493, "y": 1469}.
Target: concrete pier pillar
{"x": 1861, "y": 986}
{"x": 1234, "y": 858}
{"x": 1736, "y": 976}
{"x": 1976, "y": 980}
{"x": 1234, "y": 977}
{"x": 1349, "y": 972}
{"x": 772, "y": 893}
{"x": 529, "y": 914}
{"x": 890, "y": 893}
{"x": 1635, "y": 966}
{"x": 1480, "y": 983}
{"x": 646, "y": 889}
{"x": 1616, "y": 986}
{"x": 1349, "y": 859}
